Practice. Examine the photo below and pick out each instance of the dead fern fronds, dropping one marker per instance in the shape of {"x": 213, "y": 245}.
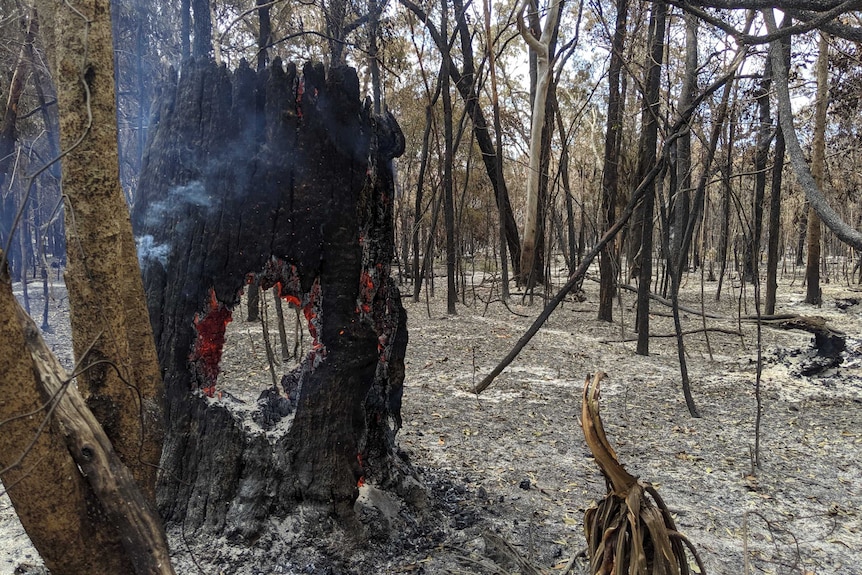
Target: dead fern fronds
{"x": 631, "y": 531}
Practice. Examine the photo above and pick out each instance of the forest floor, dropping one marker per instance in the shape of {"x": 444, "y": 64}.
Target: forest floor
{"x": 509, "y": 469}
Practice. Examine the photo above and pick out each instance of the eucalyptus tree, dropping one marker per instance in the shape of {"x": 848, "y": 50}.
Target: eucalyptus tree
{"x": 540, "y": 42}
{"x": 111, "y": 333}
{"x": 609, "y": 258}
{"x": 646, "y": 163}
{"x": 818, "y": 168}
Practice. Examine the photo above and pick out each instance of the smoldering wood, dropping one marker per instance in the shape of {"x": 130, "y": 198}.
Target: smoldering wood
{"x": 287, "y": 176}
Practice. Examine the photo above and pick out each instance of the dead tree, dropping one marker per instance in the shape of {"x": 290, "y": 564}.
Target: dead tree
{"x": 286, "y": 176}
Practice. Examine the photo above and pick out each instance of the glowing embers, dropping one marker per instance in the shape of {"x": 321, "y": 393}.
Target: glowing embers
{"x": 285, "y": 278}
{"x": 207, "y": 351}
{"x": 360, "y": 482}
{"x": 366, "y": 293}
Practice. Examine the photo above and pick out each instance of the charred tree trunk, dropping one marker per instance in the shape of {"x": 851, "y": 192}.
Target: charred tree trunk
{"x": 818, "y": 167}
{"x": 304, "y": 200}
{"x": 448, "y": 194}
{"x": 202, "y": 46}
{"x": 185, "y": 28}
{"x": 775, "y": 203}
{"x": 608, "y": 259}
{"x": 751, "y": 264}
{"x": 774, "y": 225}
{"x": 264, "y": 34}
{"x": 646, "y": 162}
{"x": 726, "y": 193}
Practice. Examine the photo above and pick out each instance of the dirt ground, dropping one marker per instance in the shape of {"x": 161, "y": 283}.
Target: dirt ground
{"x": 509, "y": 469}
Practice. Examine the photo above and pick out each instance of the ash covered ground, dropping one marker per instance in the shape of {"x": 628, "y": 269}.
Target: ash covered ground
{"x": 508, "y": 472}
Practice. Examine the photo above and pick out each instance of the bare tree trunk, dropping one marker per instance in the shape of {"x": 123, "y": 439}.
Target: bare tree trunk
{"x": 726, "y": 192}
{"x": 282, "y": 330}
{"x": 608, "y": 259}
{"x": 773, "y": 257}
{"x": 264, "y": 33}
{"x": 448, "y": 200}
{"x": 51, "y": 497}
{"x": 813, "y": 192}
{"x": 801, "y": 227}
{"x": 253, "y": 302}
{"x": 373, "y": 64}
{"x": 751, "y": 262}
{"x": 185, "y": 28}
{"x": 541, "y": 46}
{"x": 420, "y": 185}
{"x": 818, "y": 166}
{"x": 646, "y": 162}
{"x": 203, "y": 29}
{"x": 681, "y": 200}
{"x": 570, "y": 241}
{"x": 498, "y": 135}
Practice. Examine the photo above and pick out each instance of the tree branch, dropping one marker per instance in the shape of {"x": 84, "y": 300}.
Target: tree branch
{"x": 125, "y": 505}
{"x": 813, "y": 193}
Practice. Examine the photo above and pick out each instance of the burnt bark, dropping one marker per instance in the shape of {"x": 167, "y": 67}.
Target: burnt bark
{"x": 448, "y": 197}
{"x": 202, "y": 45}
{"x": 773, "y": 256}
{"x": 646, "y": 162}
{"x": 287, "y": 176}
{"x": 608, "y": 259}
{"x": 761, "y": 157}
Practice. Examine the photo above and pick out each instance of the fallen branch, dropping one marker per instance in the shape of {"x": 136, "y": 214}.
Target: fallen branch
{"x": 811, "y": 324}
{"x": 668, "y": 303}
{"x": 687, "y": 332}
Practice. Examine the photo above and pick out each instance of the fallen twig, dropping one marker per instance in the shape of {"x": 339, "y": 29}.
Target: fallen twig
{"x": 688, "y": 332}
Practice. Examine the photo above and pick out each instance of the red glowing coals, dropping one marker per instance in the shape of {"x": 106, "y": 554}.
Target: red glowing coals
{"x": 366, "y": 292}
{"x": 209, "y": 344}
{"x": 293, "y": 300}
{"x": 361, "y": 481}
{"x": 310, "y": 311}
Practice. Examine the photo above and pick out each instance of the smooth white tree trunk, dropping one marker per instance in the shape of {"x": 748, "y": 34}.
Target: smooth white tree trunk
{"x": 541, "y": 46}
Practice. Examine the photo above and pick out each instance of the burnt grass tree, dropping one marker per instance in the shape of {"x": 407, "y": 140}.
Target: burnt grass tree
{"x": 286, "y": 176}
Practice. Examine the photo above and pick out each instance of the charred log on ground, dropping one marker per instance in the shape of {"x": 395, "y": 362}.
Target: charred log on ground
{"x": 286, "y": 176}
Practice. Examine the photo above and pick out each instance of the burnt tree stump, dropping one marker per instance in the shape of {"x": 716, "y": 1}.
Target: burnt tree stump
{"x": 286, "y": 176}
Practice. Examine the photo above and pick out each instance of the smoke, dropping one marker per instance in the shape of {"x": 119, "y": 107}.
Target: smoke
{"x": 148, "y": 248}
{"x": 171, "y": 213}
{"x": 178, "y": 200}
